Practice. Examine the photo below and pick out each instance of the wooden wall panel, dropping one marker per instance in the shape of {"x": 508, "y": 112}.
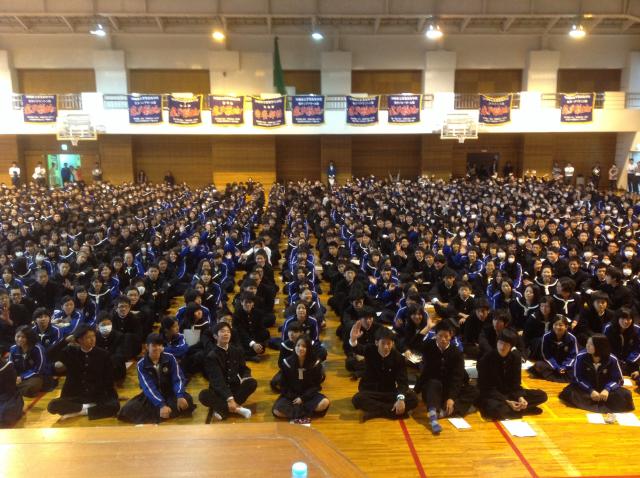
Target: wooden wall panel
{"x": 305, "y": 81}
{"x": 488, "y": 81}
{"x": 386, "y": 81}
{"x": 336, "y": 148}
{"x": 584, "y": 150}
{"x": 116, "y": 158}
{"x": 169, "y": 81}
{"x": 297, "y": 158}
{"x": 382, "y": 155}
{"x": 34, "y": 81}
{"x": 10, "y": 152}
{"x": 508, "y": 146}
{"x": 436, "y": 156}
{"x": 570, "y": 80}
{"x": 537, "y": 153}
{"x": 187, "y": 157}
{"x": 239, "y": 158}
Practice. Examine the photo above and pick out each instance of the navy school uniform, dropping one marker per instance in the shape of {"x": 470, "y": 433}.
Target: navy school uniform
{"x": 302, "y": 382}
{"x": 11, "y": 402}
{"x": 557, "y": 354}
{"x": 161, "y": 385}
{"x": 625, "y": 345}
{"x": 48, "y": 338}
{"x": 587, "y": 377}
{"x": 67, "y": 324}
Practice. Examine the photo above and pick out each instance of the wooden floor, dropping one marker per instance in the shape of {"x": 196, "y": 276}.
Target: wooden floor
{"x": 566, "y": 444}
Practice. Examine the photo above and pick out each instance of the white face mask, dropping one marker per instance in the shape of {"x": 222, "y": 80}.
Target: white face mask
{"x": 105, "y": 329}
{"x": 626, "y": 272}
{"x": 628, "y": 254}
{"x": 501, "y": 255}
{"x": 141, "y": 289}
{"x": 143, "y": 249}
{"x": 511, "y": 260}
{"x": 606, "y": 262}
{"x": 39, "y": 258}
{"x": 588, "y": 255}
{"x": 508, "y": 237}
{"x": 521, "y": 241}
{"x": 19, "y": 253}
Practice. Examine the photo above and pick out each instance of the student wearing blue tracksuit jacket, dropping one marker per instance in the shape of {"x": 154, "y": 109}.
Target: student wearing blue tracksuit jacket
{"x": 597, "y": 382}
{"x": 559, "y": 351}
{"x": 67, "y": 318}
{"x": 48, "y": 335}
{"x": 163, "y": 387}
{"x": 175, "y": 343}
{"x": 30, "y": 362}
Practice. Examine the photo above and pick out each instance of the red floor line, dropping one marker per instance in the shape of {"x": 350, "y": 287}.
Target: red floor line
{"x": 412, "y": 449}
{"x": 33, "y": 403}
{"x": 515, "y": 449}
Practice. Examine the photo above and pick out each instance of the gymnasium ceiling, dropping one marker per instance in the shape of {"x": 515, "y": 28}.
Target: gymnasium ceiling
{"x": 331, "y": 17}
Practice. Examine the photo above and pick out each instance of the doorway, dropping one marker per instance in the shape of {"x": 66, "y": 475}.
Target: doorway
{"x": 55, "y": 163}
{"x": 482, "y": 165}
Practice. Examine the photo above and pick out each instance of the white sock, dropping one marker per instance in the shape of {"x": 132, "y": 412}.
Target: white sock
{"x": 84, "y": 411}
{"x": 243, "y": 412}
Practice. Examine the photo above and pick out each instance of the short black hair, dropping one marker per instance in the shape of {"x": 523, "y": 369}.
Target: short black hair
{"x": 385, "y": 334}
{"x": 219, "y": 326}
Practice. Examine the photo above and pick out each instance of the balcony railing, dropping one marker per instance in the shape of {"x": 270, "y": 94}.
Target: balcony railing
{"x": 66, "y": 101}
{"x": 552, "y": 100}
{"x": 471, "y": 101}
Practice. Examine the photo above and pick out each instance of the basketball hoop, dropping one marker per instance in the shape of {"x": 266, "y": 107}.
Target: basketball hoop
{"x": 74, "y": 141}
{"x": 460, "y": 127}
{"x": 76, "y": 127}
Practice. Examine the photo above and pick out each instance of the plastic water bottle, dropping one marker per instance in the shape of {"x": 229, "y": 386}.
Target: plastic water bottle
{"x": 299, "y": 470}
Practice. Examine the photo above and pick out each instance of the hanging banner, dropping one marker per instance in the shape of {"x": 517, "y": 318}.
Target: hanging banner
{"x": 227, "y": 110}
{"x": 268, "y": 113}
{"x": 577, "y": 108}
{"x": 145, "y": 109}
{"x": 185, "y": 111}
{"x": 404, "y": 109}
{"x": 362, "y": 111}
{"x": 40, "y": 108}
{"x": 308, "y": 109}
{"x": 495, "y": 109}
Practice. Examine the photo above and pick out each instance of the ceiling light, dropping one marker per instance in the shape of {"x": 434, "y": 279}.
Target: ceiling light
{"x": 99, "y": 31}
{"x": 217, "y": 35}
{"x": 433, "y": 32}
{"x": 317, "y": 36}
{"x": 577, "y": 31}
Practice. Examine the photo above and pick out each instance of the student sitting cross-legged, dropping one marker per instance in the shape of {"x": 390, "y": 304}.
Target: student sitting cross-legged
{"x": 559, "y": 351}
{"x": 499, "y": 381}
{"x": 300, "y": 396}
{"x": 162, "y": 382}
{"x": 443, "y": 380}
{"x": 230, "y": 381}
{"x": 88, "y": 388}
{"x": 383, "y": 390}
{"x": 597, "y": 382}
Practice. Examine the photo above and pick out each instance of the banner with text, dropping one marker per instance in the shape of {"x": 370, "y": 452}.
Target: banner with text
{"x": 145, "y": 109}
{"x": 495, "y": 110}
{"x": 268, "y": 113}
{"x": 185, "y": 111}
{"x": 577, "y": 108}
{"x": 404, "y": 108}
{"x": 40, "y": 108}
{"x": 308, "y": 109}
{"x": 362, "y": 111}
{"x": 227, "y": 110}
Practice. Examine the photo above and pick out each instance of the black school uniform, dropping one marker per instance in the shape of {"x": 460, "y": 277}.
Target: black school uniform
{"x": 11, "y": 402}
{"x": 114, "y": 344}
{"x": 499, "y": 380}
{"x": 444, "y": 377}
{"x": 383, "y": 380}
{"x": 228, "y": 377}
{"x": 89, "y": 380}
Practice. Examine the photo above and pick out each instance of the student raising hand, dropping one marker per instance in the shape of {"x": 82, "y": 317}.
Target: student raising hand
{"x": 356, "y": 332}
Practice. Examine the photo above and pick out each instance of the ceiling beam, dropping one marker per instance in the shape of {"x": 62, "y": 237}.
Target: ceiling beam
{"x": 551, "y": 24}
{"x": 594, "y": 24}
{"x": 68, "y": 24}
{"x": 420, "y": 25}
{"x": 269, "y": 25}
{"x": 506, "y": 24}
{"x": 465, "y": 24}
{"x": 159, "y": 23}
{"x": 376, "y": 25}
{"x": 114, "y": 23}
{"x": 22, "y": 24}
{"x": 628, "y": 24}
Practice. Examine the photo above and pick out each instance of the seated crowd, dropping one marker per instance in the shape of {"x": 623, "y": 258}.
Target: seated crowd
{"x": 424, "y": 272}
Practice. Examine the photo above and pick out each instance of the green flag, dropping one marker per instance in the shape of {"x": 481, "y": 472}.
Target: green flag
{"x": 278, "y": 75}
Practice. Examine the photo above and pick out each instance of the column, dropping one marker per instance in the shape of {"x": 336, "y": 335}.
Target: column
{"x": 541, "y": 73}
{"x": 247, "y": 73}
{"x": 625, "y": 144}
{"x": 111, "y": 71}
{"x": 631, "y": 73}
{"x": 335, "y": 75}
{"x": 439, "y": 79}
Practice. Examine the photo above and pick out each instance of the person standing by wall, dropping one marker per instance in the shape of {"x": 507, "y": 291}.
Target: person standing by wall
{"x": 568, "y": 173}
{"x": 39, "y": 174}
{"x": 613, "y": 177}
{"x": 331, "y": 173}
{"x": 14, "y": 173}
{"x": 631, "y": 176}
{"x": 595, "y": 175}
{"x": 96, "y": 174}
